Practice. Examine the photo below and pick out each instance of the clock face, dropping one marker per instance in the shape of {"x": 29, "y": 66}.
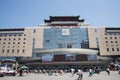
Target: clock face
{"x": 65, "y": 32}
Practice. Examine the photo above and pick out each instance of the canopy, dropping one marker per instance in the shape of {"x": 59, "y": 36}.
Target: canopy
{"x": 24, "y": 67}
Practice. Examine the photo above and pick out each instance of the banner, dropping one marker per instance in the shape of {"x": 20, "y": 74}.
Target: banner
{"x": 47, "y": 57}
{"x": 65, "y": 32}
{"x": 70, "y": 57}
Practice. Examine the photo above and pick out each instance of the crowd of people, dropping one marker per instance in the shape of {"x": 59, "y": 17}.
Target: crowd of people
{"x": 57, "y": 72}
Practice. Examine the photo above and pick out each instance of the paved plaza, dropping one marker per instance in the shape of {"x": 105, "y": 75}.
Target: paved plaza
{"x": 67, "y": 76}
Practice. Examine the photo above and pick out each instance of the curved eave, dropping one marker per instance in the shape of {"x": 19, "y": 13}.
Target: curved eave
{"x": 73, "y": 50}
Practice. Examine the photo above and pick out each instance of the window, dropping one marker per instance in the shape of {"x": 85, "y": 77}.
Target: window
{"x": 95, "y": 30}
{"x": 106, "y": 41}
{"x": 23, "y": 50}
{"x": 3, "y": 51}
{"x": 105, "y": 37}
{"x": 34, "y": 31}
{"x": 116, "y": 42}
{"x": 112, "y": 49}
{"x": 8, "y": 51}
{"x": 115, "y": 37}
{"x": 110, "y": 37}
{"x": 12, "y": 50}
{"x": 108, "y": 49}
{"x": 13, "y": 42}
{"x": 69, "y": 45}
{"x": 47, "y": 41}
{"x": 60, "y": 45}
{"x": 117, "y": 49}
{"x": 14, "y": 34}
{"x": 10, "y": 35}
{"x": 17, "y": 50}
{"x": 8, "y": 42}
{"x": 23, "y": 42}
{"x": 20, "y": 35}
{"x": 111, "y": 41}
{"x": 3, "y": 42}
{"x": 18, "y": 38}
{"x": 24, "y": 38}
{"x": 18, "y": 42}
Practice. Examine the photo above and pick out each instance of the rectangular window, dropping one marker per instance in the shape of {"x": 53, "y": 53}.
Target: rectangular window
{"x": 4, "y": 43}
{"x": 60, "y": 45}
{"x": 18, "y": 42}
{"x": 8, "y": 51}
{"x": 69, "y": 45}
{"x": 23, "y": 50}
{"x": 8, "y": 42}
{"x": 23, "y": 42}
{"x": 34, "y": 31}
{"x": 95, "y": 30}
{"x": 13, "y": 42}
{"x": 107, "y": 49}
{"x": 20, "y": 35}
{"x": 3, "y": 51}
{"x": 117, "y": 49}
{"x": 12, "y": 50}
{"x": 17, "y": 50}
{"x": 47, "y": 41}
{"x": 112, "y": 49}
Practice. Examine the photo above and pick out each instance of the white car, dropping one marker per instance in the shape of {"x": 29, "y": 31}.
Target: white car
{"x": 7, "y": 71}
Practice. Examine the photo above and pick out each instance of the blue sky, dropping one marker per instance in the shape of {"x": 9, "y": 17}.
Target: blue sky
{"x": 31, "y": 13}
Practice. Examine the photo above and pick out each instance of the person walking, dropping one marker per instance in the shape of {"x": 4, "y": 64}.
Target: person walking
{"x": 90, "y": 72}
{"x": 80, "y": 74}
{"x": 72, "y": 71}
{"x": 108, "y": 71}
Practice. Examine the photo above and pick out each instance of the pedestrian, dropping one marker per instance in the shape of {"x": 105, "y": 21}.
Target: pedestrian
{"x": 90, "y": 72}
{"x": 108, "y": 71}
{"x": 72, "y": 71}
{"x": 20, "y": 72}
{"x": 118, "y": 71}
{"x": 80, "y": 74}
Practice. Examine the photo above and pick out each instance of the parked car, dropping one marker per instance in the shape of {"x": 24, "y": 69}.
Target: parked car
{"x": 5, "y": 71}
{"x": 1, "y": 74}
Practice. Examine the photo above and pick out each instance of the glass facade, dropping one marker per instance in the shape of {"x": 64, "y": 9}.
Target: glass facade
{"x": 65, "y": 38}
